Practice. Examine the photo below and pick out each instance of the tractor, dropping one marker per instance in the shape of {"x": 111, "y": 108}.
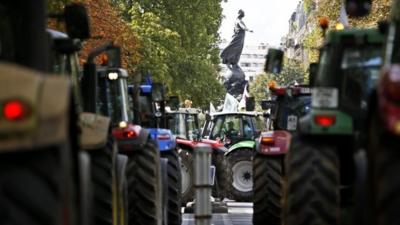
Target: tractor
{"x": 381, "y": 201}
{"x": 237, "y": 131}
{"x": 105, "y": 92}
{"x": 44, "y": 173}
{"x": 286, "y": 106}
{"x": 321, "y": 170}
{"x": 149, "y": 104}
{"x": 184, "y": 124}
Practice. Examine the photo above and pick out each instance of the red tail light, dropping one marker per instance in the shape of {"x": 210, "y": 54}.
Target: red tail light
{"x": 279, "y": 91}
{"x": 391, "y": 82}
{"x": 124, "y": 133}
{"x": 15, "y": 110}
{"x": 325, "y": 120}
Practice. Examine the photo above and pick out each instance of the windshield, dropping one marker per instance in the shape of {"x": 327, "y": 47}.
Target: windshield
{"x": 111, "y": 101}
{"x": 177, "y": 125}
{"x": 233, "y": 127}
{"x": 68, "y": 65}
{"x": 360, "y": 68}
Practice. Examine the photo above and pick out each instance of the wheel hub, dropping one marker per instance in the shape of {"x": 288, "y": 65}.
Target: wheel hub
{"x": 243, "y": 176}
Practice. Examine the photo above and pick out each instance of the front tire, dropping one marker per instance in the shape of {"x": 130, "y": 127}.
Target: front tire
{"x": 102, "y": 184}
{"x": 240, "y": 175}
{"x": 312, "y": 191}
{"x": 268, "y": 189}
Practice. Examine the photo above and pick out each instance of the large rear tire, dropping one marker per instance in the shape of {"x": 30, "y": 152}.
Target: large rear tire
{"x": 122, "y": 182}
{"x": 144, "y": 182}
{"x": 268, "y": 189}
{"x": 312, "y": 191}
{"x": 102, "y": 184}
{"x": 187, "y": 174}
{"x": 240, "y": 175}
{"x": 174, "y": 187}
{"x": 31, "y": 187}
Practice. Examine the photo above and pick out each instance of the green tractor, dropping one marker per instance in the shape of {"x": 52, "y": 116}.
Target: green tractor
{"x": 321, "y": 170}
{"x": 237, "y": 131}
{"x": 43, "y": 172}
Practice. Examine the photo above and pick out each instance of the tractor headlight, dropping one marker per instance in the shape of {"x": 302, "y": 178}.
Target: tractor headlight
{"x": 113, "y": 75}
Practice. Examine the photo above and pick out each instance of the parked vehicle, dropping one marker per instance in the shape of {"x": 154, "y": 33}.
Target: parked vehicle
{"x": 320, "y": 162}
{"x": 237, "y": 131}
{"x": 286, "y": 106}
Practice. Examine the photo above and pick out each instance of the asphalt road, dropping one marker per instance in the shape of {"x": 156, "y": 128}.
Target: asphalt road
{"x": 239, "y": 213}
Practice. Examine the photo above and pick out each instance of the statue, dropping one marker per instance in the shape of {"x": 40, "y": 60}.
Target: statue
{"x": 235, "y": 81}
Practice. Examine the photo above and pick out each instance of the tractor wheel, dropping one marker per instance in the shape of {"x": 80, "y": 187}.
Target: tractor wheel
{"x": 144, "y": 182}
{"x": 102, "y": 184}
{"x": 122, "y": 182}
{"x": 239, "y": 175}
{"x": 187, "y": 174}
{"x": 268, "y": 190}
{"x": 174, "y": 187}
{"x": 31, "y": 187}
{"x": 219, "y": 187}
{"x": 312, "y": 191}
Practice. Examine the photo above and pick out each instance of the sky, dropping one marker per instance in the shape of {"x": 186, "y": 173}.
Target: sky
{"x": 269, "y": 19}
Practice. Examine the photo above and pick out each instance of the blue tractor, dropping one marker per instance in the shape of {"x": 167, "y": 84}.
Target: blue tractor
{"x": 149, "y": 107}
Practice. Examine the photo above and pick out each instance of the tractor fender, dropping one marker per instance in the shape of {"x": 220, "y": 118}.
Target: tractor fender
{"x": 240, "y": 145}
{"x": 137, "y": 143}
{"x": 94, "y": 129}
{"x": 185, "y": 144}
{"x": 280, "y": 146}
{"x": 46, "y": 102}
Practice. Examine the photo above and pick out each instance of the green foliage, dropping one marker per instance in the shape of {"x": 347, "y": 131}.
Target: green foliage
{"x": 178, "y": 44}
{"x": 56, "y": 5}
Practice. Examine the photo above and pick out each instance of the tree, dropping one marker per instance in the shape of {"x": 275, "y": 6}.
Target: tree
{"x": 106, "y": 25}
{"x": 179, "y": 45}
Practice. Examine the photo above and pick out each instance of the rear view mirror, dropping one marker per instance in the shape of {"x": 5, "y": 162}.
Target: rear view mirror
{"x": 267, "y": 104}
{"x": 312, "y": 73}
{"x": 157, "y": 92}
{"x": 77, "y": 21}
{"x": 358, "y": 8}
{"x": 250, "y": 105}
{"x": 173, "y": 102}
{"x": 274, "y": 60}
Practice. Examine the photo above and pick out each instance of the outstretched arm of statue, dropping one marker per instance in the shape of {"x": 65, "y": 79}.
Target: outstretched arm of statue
{"x": 243, "y": 26}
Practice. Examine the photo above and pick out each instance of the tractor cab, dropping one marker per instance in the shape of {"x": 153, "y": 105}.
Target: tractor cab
{"x": 184, "y": 123}
{"x": 150, "y": 112}
{"x": 348, "y": 70}
{"x": 232, "y": 128}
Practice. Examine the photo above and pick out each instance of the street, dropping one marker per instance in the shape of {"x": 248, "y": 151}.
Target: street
{"x": 239, "y": 213}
